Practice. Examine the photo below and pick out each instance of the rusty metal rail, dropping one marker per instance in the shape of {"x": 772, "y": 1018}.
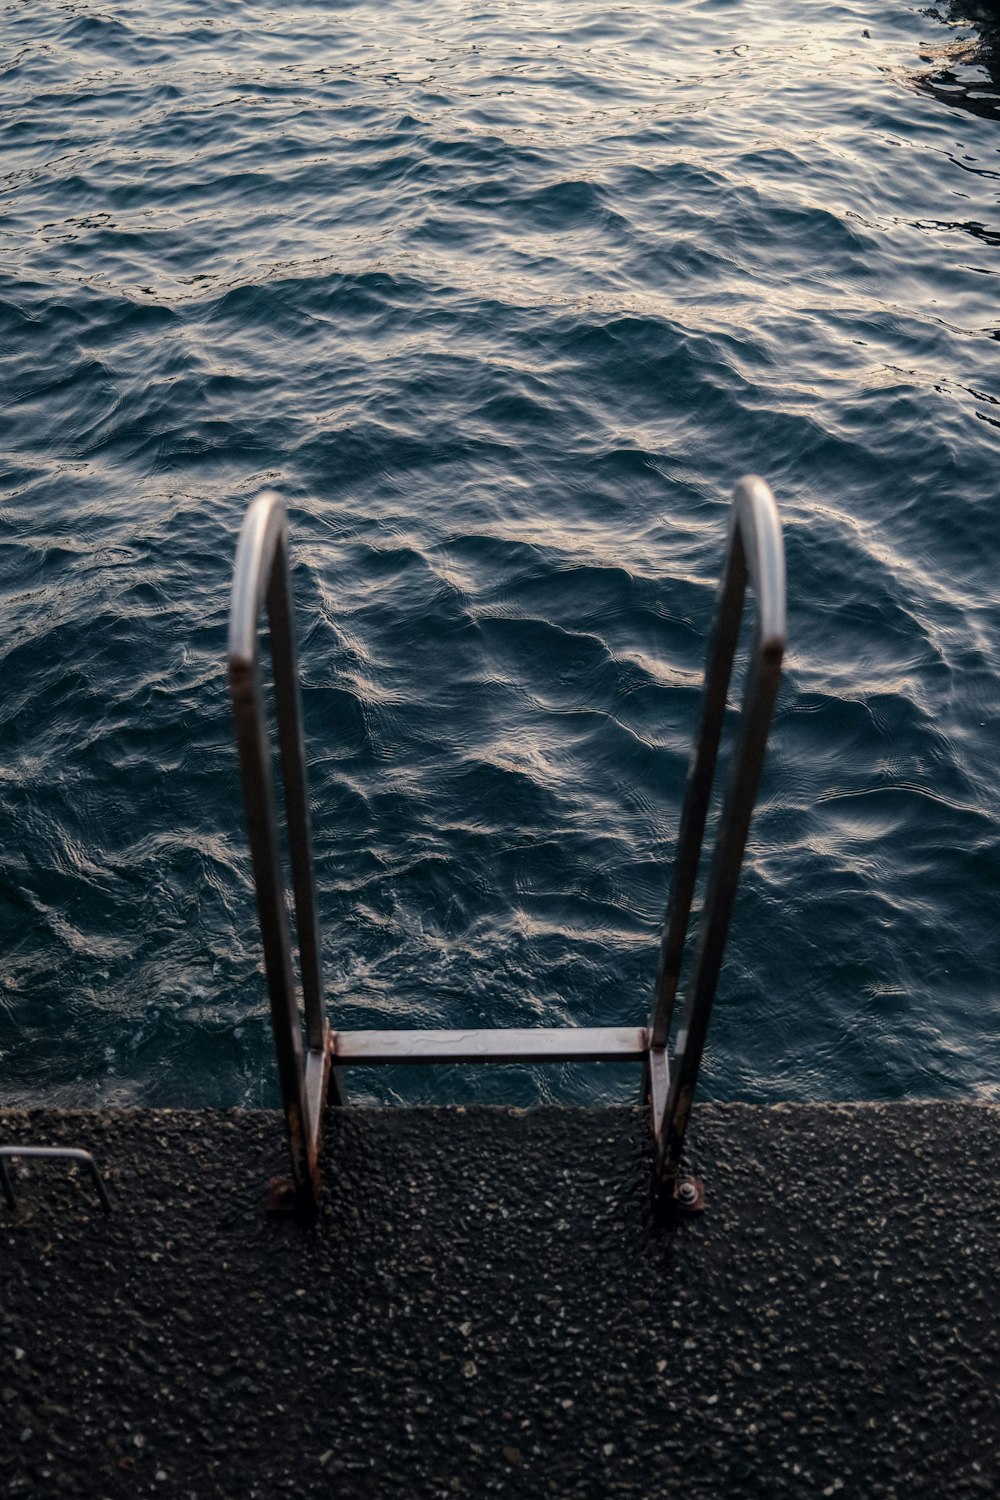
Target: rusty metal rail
{"x": 310, "y": 1076}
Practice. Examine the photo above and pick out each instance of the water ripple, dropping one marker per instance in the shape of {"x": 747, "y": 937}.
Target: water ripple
{"x": 503, "y": 305}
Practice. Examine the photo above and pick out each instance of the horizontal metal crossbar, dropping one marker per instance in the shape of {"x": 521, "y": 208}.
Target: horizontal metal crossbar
{"x": 529, "y": 1044}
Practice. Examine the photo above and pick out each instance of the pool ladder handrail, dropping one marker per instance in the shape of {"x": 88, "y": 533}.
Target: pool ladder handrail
{"x": 754, "y": 553}
{"x": 262, "y": 578}
{"x": 312, "y": 1078}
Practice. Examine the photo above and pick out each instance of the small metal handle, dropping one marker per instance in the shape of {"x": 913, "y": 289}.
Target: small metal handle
{"x": 50, "y": 1153}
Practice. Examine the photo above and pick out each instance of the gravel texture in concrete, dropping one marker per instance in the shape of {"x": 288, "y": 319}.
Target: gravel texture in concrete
{"x": 486, "y": 1307}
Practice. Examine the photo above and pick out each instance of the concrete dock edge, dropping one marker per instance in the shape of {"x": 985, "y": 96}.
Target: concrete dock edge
{"x": 486, "y": 1307}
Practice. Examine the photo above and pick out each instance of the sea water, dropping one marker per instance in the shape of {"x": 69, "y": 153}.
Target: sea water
{"x": 502, "y": 298}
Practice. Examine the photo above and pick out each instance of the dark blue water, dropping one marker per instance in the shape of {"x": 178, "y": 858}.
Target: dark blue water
{"x": 503, "y": 299}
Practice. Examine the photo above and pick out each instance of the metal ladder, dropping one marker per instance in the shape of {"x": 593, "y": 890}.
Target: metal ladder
{"x": 311, "y": 1077}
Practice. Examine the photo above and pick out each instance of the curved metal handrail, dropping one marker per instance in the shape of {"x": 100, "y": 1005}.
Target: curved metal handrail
{"x": 754, "y": 553}
{"x": 261, "y": 578}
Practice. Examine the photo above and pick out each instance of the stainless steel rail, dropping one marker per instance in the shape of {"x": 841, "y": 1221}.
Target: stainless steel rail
{"x": 754, "y": 553}
{"x": 262, "y": 576}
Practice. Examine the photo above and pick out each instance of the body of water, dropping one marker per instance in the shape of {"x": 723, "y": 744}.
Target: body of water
{"x": 503, "y": 299}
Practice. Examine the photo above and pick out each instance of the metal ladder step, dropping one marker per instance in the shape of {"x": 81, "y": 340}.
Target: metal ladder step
{"x": 524, "y": 1044}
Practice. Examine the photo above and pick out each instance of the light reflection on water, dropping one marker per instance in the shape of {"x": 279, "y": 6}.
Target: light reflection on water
{"x": 503, "y": 306}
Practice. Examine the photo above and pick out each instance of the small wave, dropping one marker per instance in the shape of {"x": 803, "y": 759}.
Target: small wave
{"x": 503, "y": 313}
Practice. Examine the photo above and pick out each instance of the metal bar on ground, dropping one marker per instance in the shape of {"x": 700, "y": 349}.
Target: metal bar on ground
{"x": 51, "y": 1153}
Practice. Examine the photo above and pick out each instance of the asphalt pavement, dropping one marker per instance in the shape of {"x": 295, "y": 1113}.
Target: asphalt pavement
{"x": 486, "y": 1306}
